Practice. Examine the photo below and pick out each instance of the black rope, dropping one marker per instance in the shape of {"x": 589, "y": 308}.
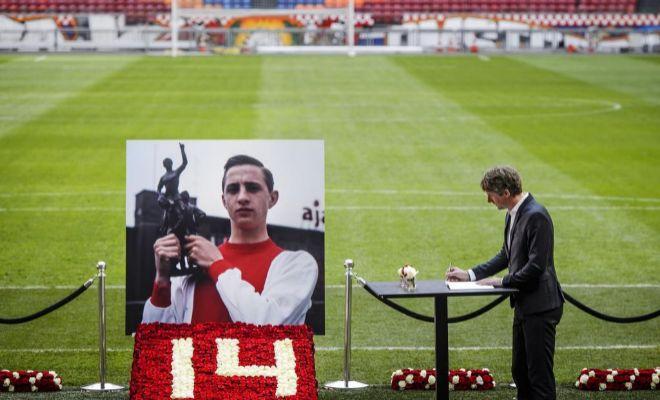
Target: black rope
{"x": 50, "y": 308}
{"x": 426, "y": 318}
{"x": 399, "y": 308}
{"x": 480, "y": 311}
{"x": 492, "y": 304}
{"x": 609, "y": 318}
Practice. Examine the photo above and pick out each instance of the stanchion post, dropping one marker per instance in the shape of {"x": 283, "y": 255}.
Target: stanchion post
{"x": 102, "y": 386}
{"x": 347, "y": 383}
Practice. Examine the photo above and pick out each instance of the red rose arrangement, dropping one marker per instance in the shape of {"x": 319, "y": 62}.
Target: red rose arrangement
{"x": 223, "y": 361}
{"x": 29, "y": 381}
{"x": 425, "y": 379}
{"x": 618, "y": 379}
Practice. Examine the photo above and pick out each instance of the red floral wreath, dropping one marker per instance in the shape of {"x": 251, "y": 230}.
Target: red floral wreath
{"x": 223, "y": 361}
{"x": 29, "y": 381}
{"x": 425, "y": 379}
{"x": 618, "y": 379}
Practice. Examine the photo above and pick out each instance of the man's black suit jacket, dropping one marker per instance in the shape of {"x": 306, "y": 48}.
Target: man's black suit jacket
{"x": 530, "y": 260}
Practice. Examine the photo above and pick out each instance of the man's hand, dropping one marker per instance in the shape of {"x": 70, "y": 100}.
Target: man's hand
{"x": 167, "y": 250}
{"x": 495, "y": 282}
{"x": 455, "y": 274}
{"x": 201, "y": 251}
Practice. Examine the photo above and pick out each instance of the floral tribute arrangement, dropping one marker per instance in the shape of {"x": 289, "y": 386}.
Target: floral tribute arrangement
{"x": 407, "y": 275}
{"x": 223, "y": 361}
{"x": 618, "y": 379}
{"x": 29, "y": 381}
{"x": 425, "y": 379}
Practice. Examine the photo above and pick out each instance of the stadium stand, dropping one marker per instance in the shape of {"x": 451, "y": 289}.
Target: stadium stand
{"x": 384, "y": 9}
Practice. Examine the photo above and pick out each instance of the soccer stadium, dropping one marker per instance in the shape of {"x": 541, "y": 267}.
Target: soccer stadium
{"x": 414, "y": 100}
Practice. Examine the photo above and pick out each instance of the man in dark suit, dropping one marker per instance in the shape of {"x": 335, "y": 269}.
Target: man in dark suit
{"x": 527, "y": 251}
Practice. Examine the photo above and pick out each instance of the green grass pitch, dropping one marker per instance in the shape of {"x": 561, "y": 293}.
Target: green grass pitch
{"x": 406, "y": 138}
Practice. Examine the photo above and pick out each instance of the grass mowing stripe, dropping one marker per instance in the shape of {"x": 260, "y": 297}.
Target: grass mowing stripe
{"x": 396, "y": 192}
{"x": 30, "y": 90}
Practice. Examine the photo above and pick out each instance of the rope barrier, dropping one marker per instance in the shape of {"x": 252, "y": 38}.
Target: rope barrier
{"x": 461, "y": 318}
{"x": 50, "y": 308}
{"x": 609, "y": 318}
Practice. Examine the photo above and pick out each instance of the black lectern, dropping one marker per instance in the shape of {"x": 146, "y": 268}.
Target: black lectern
{"x": 439, "y": 291}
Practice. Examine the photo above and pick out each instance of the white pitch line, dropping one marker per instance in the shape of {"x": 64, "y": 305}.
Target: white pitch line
{"x": 58, "y": 287}
{"x": 63, "y": 194}
{"x": 361, "y": 348}
{"x": 566, "y": 285}
{"x": 449, "y": 193}
{"x": 485, "y": 208}
{"x": 64, "y": 209}
{"x": 486, "y": 348}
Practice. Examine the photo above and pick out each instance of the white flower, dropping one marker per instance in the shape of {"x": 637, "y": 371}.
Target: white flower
{"x": 609, "y": 378}
{"x": 469, "y": 373}
{"x": 473, "y": 386}
{"x": 29, "y": 371}
{"x": 60, "y": 386}
{"x": 480, "y": 380}
{"x": 584, "y": 378}
{"x": 32, "y": 380}
{"x": 615, "y": 373}
{"x": 636, "y": 372}
{"x": 34, "y": 388}
{"x": 427, "y": 386}
{"x": 632, "y": 378}
{"x": 408, "y": 272}
{"x": 655, "y": 378}
{"x": 422, "y": 373}
{"x": 39, "y": 376}
{"x": 409, "y": 378}
{"x": 455, "y": 379}
{"x": 431, "y": 379}
{"x": 486, "y": 370}
{"x": 402, "y": 385}
{"x": 57, "y": 381}
{"x": 494, "y": 384}
{"x": 15, "y": 374}
{"x": 397, "y": 372}
{"x": 462, "y": 369}
{"x": 53, "y": 373}
{"x": 592, "y": 374}
{"x": 652, "y": 386}
{"x": 6, "y": 382}
{"x": 451, "y": 387}
{"x": 602, "y": 386}
{"x": 577, "y": 384}
{"x": 629, "y": 385}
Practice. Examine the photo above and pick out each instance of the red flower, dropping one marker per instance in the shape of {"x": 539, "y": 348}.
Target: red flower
{"x": 270, "y": 360}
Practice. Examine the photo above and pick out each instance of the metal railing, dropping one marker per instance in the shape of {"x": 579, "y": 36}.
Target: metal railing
{"x": 149, "y": 39}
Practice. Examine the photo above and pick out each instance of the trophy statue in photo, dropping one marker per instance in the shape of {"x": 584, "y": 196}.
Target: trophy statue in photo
{"x": 180, "y": 216}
